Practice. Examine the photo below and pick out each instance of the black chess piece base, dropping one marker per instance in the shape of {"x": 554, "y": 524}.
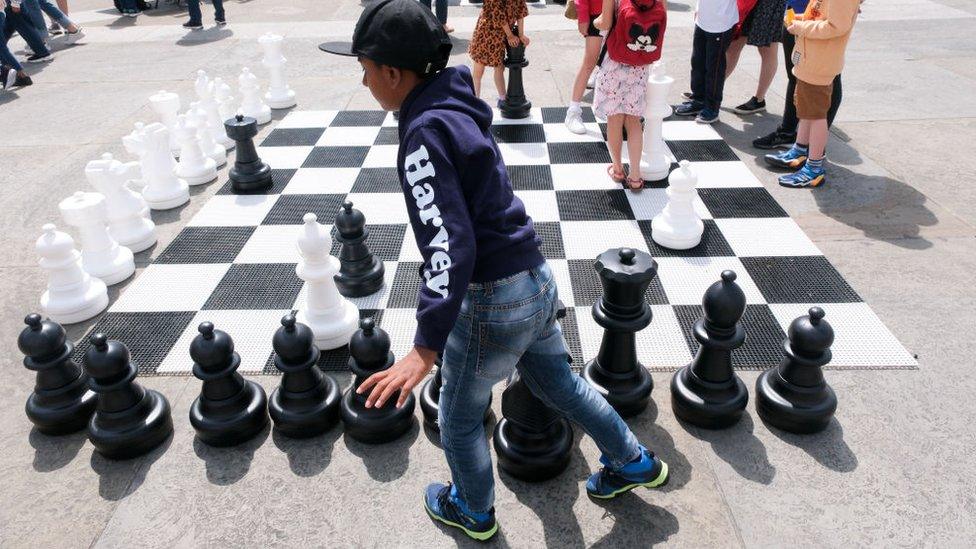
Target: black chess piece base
{"x": 376, "y": 425}
{"x": 132, "y": 432}
{"x": 306, "y": 414}
{"x": 362, "y": 280}
{"x": 64, "y": 410}
{"x": 430, "y": 395}
{"x": 243, "y": 182}
{"x": 629, "y": 393}
{"x": 533, "y": 456}
{"x": 792, "y": 407}
{"x": 233, "y": 420}
{"x": 707, "y": 404}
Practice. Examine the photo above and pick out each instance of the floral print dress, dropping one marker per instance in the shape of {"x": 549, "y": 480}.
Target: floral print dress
{"x": 488, "y": 41}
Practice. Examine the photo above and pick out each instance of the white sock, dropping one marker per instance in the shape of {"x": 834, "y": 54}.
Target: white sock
{"x": 574, "y": 106}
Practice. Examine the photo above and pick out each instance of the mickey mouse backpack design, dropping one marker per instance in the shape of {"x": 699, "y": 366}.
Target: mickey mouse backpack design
{"x": 638, "y": 32}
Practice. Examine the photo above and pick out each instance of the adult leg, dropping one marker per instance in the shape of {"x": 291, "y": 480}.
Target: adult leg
{"x": 732, "y": 56}
{"x": 590, "y": 54}
{"x": 441, "y": 9}
{"x": 6, "y": 57}
{"x": 63, "y": 6}
{"x": 219, "y": 14}
{"x": 767, "y": 70}
{"x": 193, "y": 9}
{"x": 790, "y": 121}
{"x": 16, "y": 21}
{"x": 835, "y": 98}
{"x": 477, "y": 73}
{"x": 54, "y": 13}
{"x": 31, "y": 11}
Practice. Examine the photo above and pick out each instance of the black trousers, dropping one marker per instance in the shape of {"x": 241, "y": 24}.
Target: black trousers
{"x": 708, "y": 66}
{"x": 790, "y": 121}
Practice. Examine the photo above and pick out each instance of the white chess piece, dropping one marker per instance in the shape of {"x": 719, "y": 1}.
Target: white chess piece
{"x": 72, "y": 295}
{"x": 227, "y": 105}
{"x": 138, "y": 182}
{"x": 211, "y": 107}
{"x": 166, "y": 105}
{"x": 101, "y": 255}
{"x": 161, "y": 189}
{"x": 126, "y": 223}
{"x": 678, "y": 226}
{"x": 279, "y": 95}
{"x": 332, "y": 318}
{"x": 213, "y": 150}
{"x": 656, "y": 160}
{"x": 251, "y": 103}
{"x": 194, "y": 167}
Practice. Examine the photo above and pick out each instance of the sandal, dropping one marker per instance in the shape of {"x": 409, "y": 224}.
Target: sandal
{"x": 635, "y": 184}
{"x": 616, "y": 176}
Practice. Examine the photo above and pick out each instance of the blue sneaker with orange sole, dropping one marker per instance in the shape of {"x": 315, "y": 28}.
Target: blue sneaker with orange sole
{"x": 444, "y": 505}
{"x": 792, "y": 159}
{"x": 807, "y": 176}
{"x": 648, "y": 471}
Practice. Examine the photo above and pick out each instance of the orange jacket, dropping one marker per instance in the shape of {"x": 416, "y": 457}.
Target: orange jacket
{"x": 822, "y": 33}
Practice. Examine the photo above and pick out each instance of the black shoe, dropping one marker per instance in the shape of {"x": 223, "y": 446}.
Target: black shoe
{"x": 193, "y": 26}
{"x": 689, "y": 108}
{"x": 752, "y": 106}
{"x": 220, "y": 22}
{"x": 775, "y": 140}
{"x": 688, "y": 95}
{"x": 38, "y": 58}
{"x": 55, "y": 29}
{"x": 131, "y": 13}
{"x": 23, "y": 82}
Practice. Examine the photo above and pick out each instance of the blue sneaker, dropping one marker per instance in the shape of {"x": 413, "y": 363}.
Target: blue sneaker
{"x": 443, "y": 504}
{"x": 689, "y": 108}
{"x": 649, "y": 471}
{"x": 806, "y": 177}
{"x": 707, "y": 116}
{"x": 792, "y": 159}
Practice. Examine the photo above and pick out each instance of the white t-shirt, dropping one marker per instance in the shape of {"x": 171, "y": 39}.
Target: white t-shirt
{"x": 717, "y": 15}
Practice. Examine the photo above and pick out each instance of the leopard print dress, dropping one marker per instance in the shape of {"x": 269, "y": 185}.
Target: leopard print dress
{"x": 488, "y": 41}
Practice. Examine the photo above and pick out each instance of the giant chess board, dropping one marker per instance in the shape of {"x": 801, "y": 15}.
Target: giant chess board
{"x": 234, "y": 262}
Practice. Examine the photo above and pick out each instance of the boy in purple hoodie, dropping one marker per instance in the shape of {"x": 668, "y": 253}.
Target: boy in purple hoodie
{"x": 488, "y": 299}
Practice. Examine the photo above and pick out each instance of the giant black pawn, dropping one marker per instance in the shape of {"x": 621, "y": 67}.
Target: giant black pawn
{"x": 370, "y": 353}
{"x": 61, "y": 402}
{"x": 430, "y": 396}
{"x": 794, "y": 395}
{"x": 707, "y": 392}
{"x": 230, "y": 409}
{"x": 248, "y": 173}
{"x": 360, "y": 272}
{"x": 129, "y": 420}
{"x": 306, "y": 403}
{"x": 622, "y": 311}
{"x": 515, "y": 105}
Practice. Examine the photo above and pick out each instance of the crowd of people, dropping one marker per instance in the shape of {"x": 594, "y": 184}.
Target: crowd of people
{"x": 26, "y": 18}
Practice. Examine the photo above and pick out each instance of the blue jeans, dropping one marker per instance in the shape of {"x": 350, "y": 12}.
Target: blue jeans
{"x": 502, "y": 325}
{"x": 441, "y": 9}
{"x": 193, "y": 6}
{"x": 54, "y": 13}
{"x": 7, "y": 59}
{"x": 31, "y": 10}
{"x": 17, "y": 22}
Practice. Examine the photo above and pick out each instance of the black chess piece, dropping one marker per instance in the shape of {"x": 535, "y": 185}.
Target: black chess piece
{"x": 360, "y": 272}
{"x": 306, "y": 403}
{"x": 515, "y": 105}
{"x": 622, "y": 311}
{"x": 794, "y": 395}
{"x": 532, "y": 440}
{"x": 249, "y": 173}
{"x": 707, "y": 392}
{"x": 430, "y": 396}
{"x": 61, "y": 402}
{"x": 369, "y": 350}
{"x": 129, "y": 420}
{"x": 230, "y": 409}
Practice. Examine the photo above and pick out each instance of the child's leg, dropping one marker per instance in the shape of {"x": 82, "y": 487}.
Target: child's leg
{"x": 635, "y": 144}
{"x": 803, "y": 133}
{"x": 717, "y": 46}
{"x": 732, "y": 56}
{"x": 817, "y": 134}
{"x": 770, "y": 57}
{"x": 615, "y": 140}
{"x": 698, "y": 54}
{"x": 500, "y": 81}
{"x": 590, "y": 55}
{"x": 477, "y": 71}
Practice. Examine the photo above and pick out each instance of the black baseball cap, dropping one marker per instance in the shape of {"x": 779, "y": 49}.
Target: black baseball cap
{"x": 398, "y": 33}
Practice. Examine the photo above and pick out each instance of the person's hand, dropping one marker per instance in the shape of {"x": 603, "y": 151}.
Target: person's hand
{"x": 16, "y": 9}
{"x": 793, "y": 28}
{"x": 583, "y": 28}
{"x": 600, "y": 23}
{"x": 525, "y": 40}
{"x": 402, "y": 376}
{"x": 513, "y": 41}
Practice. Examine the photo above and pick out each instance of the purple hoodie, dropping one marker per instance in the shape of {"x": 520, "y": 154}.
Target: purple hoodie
{"x": 469, "y": 225}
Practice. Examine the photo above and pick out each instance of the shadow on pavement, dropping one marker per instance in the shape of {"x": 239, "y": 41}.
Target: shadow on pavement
{"x": 52, "y": 453}
{"x": 205, "y": 36}
{"x": 739, "y": 447}
{"x": 636, "y": 523}
{"x": 308, "y": 457}
{"x": 228, "y": 465}
{"x": 119, "y": 479}
{"x": 827, "y": 447}
{"x": 385, "y": 462}
{"x": 658, "y": 440}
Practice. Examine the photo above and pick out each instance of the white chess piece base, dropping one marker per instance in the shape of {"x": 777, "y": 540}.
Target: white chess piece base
{"x": 168, "y": 202}
{"x": 110, "y": 270}
{"x": 332, "y": 328}
{"x": 206, "y": 174}
{"x": 79, "y": 309}
{"x": 284, "y": 101}
{"x": 676, "y": 237}
{"x": 135, "y": 242}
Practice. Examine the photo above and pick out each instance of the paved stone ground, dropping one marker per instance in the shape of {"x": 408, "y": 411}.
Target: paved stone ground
{"x": 898, "y": 218}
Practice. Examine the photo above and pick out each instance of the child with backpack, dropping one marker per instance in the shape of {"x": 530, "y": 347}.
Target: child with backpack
{"x": 634, "y": 41}
{"x": 501, "y": 22}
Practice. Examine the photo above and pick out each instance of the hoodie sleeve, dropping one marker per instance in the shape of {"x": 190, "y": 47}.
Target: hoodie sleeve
{"x": 840, "y": 19}
{"x": 441, "y": 223}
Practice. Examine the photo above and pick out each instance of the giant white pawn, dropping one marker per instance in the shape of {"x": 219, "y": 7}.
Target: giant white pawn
{"x": 72, "y": 295}
{"x": 194, "y": 167}
{"x": 227, "y": 104}
{"x": 126, "y": 223}
{"x": 211, "y": 149}
{"x": 101, "y": 255}
{"x": 166, "y": 105}
{"x": 332, "y": 318}
{"x": 161, "y": 189}
{"x": 678, "y": 226}
{"x": 279, "y": 95}
{"x": 211, "y": 108}
{"x": 251, "y": 103}
{"x": 655, "y": 159}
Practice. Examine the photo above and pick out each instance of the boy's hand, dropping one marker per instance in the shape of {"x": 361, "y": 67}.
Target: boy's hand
{"x": 402, "y": 376}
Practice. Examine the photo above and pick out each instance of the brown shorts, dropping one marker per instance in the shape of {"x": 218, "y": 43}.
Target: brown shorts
{"x": 812, "y": 102}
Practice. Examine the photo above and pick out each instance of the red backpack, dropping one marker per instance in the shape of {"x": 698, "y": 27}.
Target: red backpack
{"x": 637, "y": 34}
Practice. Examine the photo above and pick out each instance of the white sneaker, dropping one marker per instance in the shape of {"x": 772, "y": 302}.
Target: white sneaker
{"x": 574, "y": 121}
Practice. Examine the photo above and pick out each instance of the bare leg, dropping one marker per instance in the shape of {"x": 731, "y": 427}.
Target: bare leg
{"x": 818, "y": 137}
{"x": 615, "y": 140}
{"x": 732, "y": 55}
{"x": 770, "y": 57}
{"x": 803, "y": 133}
{"x": 590, "y": 55}
{"x": 477, "y": 71}
{"x": 500, "y": 81}
{"x": 63, "y": 6}
{"x": 635, "y": 144}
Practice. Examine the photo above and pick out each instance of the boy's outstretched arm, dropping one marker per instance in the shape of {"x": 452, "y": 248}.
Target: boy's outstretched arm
{"x": 839, "y": 21}
{"x": 445, "y": 236}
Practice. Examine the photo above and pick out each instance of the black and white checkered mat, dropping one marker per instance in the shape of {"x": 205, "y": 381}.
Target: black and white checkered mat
{"x": 234, "y": 263}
